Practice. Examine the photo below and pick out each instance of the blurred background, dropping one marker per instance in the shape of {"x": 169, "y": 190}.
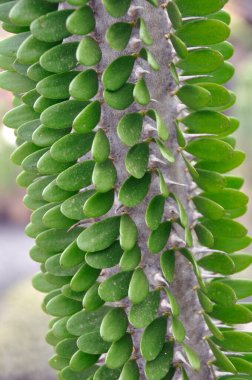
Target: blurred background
{"x": 23, "y": 351}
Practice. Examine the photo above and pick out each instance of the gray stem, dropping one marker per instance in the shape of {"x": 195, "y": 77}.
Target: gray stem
{"x": 161, "y": 85}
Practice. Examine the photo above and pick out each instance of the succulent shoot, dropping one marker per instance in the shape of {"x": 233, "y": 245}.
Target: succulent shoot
{"x": 125, "y": 148}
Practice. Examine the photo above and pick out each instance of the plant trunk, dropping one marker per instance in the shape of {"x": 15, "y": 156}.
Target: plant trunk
{"x": 161, "y": 85}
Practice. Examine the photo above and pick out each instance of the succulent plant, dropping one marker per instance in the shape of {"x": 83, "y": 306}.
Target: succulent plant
{"x": 125, "y": 146}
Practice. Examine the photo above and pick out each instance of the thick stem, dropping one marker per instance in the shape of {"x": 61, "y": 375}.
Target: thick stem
{"x": 160, "y": 84}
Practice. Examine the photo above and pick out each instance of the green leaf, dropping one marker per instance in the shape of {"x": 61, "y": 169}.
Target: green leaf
{"x": 241, "y": 262}
{"x": 158, "y": 238}
{"x": 130, "y": 371}
{"x": 60, "y": 58}
{"x": 142, "y": 314}
{"x": 92, "y": 301}
{"x": 23, "y": 151}
{"x": 199, "y": 8}
{"x": 81, "y": 361}
{"x": 40, "y": 283}
{"x": 210, "y": 149}
{"x": 165, "y": 151}
{"x": 31, "y": 49}
{"x": 81, "y": 21}
{"x": 225, "y": 48}
{"x": 167, "y": 262}
{"x": 144, "y": 33}
{"x": 47, "y": 165}
{"x": 130, "y": 259}
{"x": 104, "y": 176}
{"x": 138, "y": 287}
{"x": 137, "y": 159}
{"x": 231, "y": 245}
{"x": 129, "y": 128}
{"x": 88, "y": 119}
{"x": 212, "y": 327}
{"x": 118, "y": 72}
{"x": 68, "y": 374}
{"x": 232, "y": 314}
{"x": 24, "y": 179}
{"x": 175, "y": 309}
{"x": 141, "y": 93}
{"x": 118, "y": 35}
{"x": 241, "y": 365}
{"x": 203, "y": 32}
{"x": 208, "y": 208}
{"x": 92, "y": 343}
{"x": 119, "y": 352}
{"x": 200, "y": 61}
{"x": 210, "y": 181}
{"x": 100, "y": 147}
{"x": 66, "y": 348}
{"x": 56, "y": 240}
{"x": 72, "y": 256}
{"x": 60, "y": 306}
{"x": 98, "y": 204}
{"x": 179, "y": 46}
{"x": 218, "y": 262}
{"x": 39, "y": 255}
{"x": 154, "y": 212}
{"x": 104, "y": 373}
{"x": 221, "y": 293}
{"x": 236, "y": 341}
{"x": 85, "y": 322}
{"x": 162, "y": 129}
{"x": 10, "y": 46}
{"x": 99, "y": 235}
{"x": 19, "y": 115}
{"x": 133, "y": 190}
{"x": 228, "y": 198}
{"x": 56, "y": 86}
{"x": 45, "y": 137}
{"x": 61, "y": 115}
{"x": 225, "y": 166}
{"x": 222, "y": 359}
{"x": 178, "y": 330}
{"x": 71, "y": 147}
{"x": 206, "y": 122}
{"x": 153, "y": 339}
{"x": 106, "y": 258}
{"x": 115, "y": 9}
{"x": 15, "y": 82}
{"x": 115, "y": 287}
{"x": 84, "y": 278}
{"x": 88, "y": 52}
{"x": 128, "y": 233}
{"x": 157, "y": 369}
{"x": 25, "y": 11}
{"x": 174, "y": 14}
{"x": 51, "y": 27}
{"x": 204, "y": 236}
{"x": 242, "y": 288}
{"x": 85, "y": 85}
{"x": 120, "y": 99}
{"x": 192, "y": 357}
{"x": 226, "y": 228}
{"x": 162, "y": 184}
{"x": 55, "y": 219}
{"x": 76, "y": 177}
{"x": 52, "y": 193}
{"x": 114, "y": 325}
{"x": 221, "y": 98}
{"x": 194, "y": 97}
{"x": 57, "y": 362}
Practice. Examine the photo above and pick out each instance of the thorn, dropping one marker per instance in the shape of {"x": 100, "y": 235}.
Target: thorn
{"x": 154, "y": 159}
{"x": 155, "y": 100}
